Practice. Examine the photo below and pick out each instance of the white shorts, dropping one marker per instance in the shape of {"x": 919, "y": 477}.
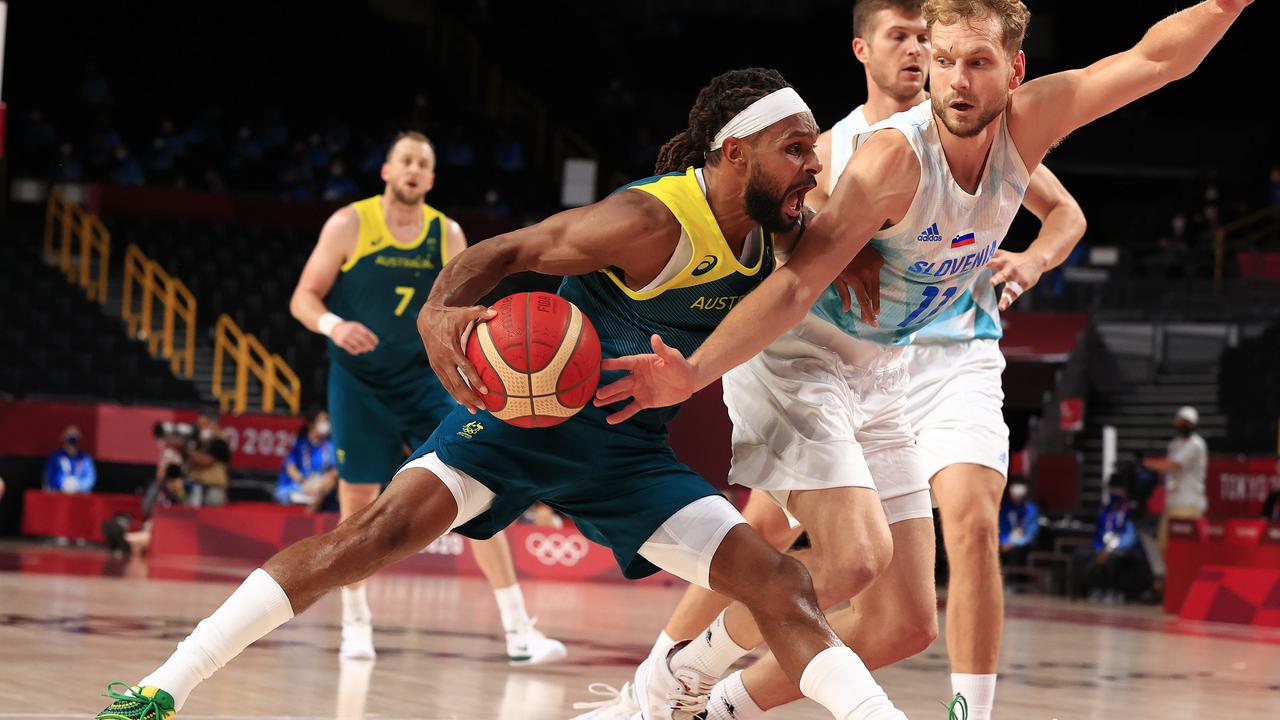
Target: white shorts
{"x": 684, "y": 545}
{"x": 818, "y": 409}
{"x": 955, "y": 404}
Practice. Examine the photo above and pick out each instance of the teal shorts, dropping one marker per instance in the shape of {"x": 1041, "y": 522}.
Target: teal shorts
{"x": 373, "y": 426}
{"x": 618, "y": 483}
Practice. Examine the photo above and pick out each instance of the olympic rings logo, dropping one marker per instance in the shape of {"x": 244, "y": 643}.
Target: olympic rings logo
{"x": 556, "y": 549}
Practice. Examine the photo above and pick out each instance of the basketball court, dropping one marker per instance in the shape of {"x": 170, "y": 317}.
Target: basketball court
{"x": 71, "y": 622}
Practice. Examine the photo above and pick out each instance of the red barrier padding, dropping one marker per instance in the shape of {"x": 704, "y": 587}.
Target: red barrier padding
{"x": 253, "y": 532}
{"x": 76, "y": 517}
{"x": 1246, "y": 596}
{"x": 1197, "y": 544}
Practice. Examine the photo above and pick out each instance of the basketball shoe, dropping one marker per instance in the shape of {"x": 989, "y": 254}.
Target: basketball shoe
{"x": 528, "y": 646}
{"x": 357, "y": 641}
{"x": 667, "y": 695}
{"x": 137, "y": 703}
{"x": 617, "y": 705}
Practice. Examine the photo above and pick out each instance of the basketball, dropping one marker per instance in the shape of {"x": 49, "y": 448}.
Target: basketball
{"x": 539, "y": 358}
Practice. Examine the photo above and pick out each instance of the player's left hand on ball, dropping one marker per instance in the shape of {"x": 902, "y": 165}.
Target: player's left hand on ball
{"x": 658, "y": 380}
{"x": 442, "y": 328}
{"x": 863, "y": 276}
{"x": 1018, "y": 271}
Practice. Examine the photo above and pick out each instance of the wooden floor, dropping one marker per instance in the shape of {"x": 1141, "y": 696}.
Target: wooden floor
{"x": 63, "y": 637}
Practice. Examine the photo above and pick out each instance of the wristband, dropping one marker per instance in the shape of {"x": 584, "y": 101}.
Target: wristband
{"x": 327, "y": 323}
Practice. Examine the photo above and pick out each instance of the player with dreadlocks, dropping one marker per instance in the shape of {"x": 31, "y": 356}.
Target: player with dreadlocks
{"x": 667, "y": 255}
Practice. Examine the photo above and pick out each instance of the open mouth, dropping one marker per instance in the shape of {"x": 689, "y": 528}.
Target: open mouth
{"x": 913, "y": 70}
{"x": 960, "y": 106}
{"x": 794, "y": 204}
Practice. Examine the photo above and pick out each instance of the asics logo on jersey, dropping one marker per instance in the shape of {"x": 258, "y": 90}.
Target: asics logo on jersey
{"x": 930, "y": 234}
{"x": 470, "y": 430}
{"x": 705, "y": 266}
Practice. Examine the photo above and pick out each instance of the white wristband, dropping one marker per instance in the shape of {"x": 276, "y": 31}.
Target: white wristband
{"x": 327, "y": 323}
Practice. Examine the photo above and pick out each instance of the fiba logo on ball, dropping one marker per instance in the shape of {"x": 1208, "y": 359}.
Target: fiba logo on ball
{"x": 556, "y": 549}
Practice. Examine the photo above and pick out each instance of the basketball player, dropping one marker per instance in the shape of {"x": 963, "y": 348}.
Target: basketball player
{"x": 669, "y": 254}
{"x": 362, "y": 288}
{"x": 898, "y": 612}
{"x": 955, "y": 167}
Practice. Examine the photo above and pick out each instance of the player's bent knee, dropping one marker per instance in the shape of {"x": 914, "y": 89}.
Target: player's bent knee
{"x": 782, "y": 584}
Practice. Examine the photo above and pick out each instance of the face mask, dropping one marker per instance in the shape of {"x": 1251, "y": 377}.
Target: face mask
{"x": 1184, "y": 431}
{"x": 206, "y": 434}
{"x": 1017, "y": 492}
{"x": 73, "y": 440}
{"x": 1115, "y": 501}
{"x": 323, "y": 428}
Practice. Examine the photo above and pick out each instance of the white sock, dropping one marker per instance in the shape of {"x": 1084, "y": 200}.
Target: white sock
{"x": 256, "y": 608}
{"x": 662, "y": 645}
{"x": 837, "y": 680}
{"x": 731, "y": 701}
{"x": 978, "y": 690}
{"x": 712, "y": 653}
{"x": 511, "y": 607}
{"x": 355, "y": 606}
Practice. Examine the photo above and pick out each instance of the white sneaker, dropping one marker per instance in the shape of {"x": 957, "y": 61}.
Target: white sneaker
{"x": 357, "y": 641}
{"x": 664, "y": 695}
{"x": 618, "y": 705}
{"x": 530, "y": 647}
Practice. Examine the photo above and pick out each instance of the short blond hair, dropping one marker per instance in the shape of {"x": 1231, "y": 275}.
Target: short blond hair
{"x": 1014, "y": 17}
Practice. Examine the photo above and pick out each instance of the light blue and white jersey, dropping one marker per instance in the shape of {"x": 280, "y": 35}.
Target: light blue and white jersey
{"x": 934, "y": 286}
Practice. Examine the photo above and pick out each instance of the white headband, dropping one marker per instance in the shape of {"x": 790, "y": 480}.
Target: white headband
{"x": 761, "y": 114}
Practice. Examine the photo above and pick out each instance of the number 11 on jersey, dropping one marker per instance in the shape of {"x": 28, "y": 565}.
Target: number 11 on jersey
{"x": 930, "y": 292}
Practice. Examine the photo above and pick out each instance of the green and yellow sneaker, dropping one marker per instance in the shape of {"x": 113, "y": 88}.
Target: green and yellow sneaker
{"x": 137, "y": 703}
{"x": 957, "y": 702}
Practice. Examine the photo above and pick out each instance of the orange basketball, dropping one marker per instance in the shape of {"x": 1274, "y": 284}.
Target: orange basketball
{"x": 539, "y": 358}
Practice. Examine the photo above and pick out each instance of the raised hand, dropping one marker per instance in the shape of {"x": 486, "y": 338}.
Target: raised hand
{"x": 1018, "y": 271}
{"x": 658, "y": 380}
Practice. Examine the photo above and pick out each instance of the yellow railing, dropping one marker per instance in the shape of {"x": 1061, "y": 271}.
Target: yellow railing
{"x": 1239, "y": 235}
{"x": 153, "y": 284}
{"x": 251, "y": 358}
{"x": 73, "y": 240}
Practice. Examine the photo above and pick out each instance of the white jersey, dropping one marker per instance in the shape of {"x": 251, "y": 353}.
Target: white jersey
{"x": 934, "y": 286}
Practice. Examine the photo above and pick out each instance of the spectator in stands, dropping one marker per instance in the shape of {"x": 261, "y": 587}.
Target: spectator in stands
{"x": 70, "y": 469}
{"x": 126, "y": 171}
{"x": 339, "y": 186}
{"x": 310, "y": 471}
{"x": 1019, "y": 525}
{"x": 67, "y": 167}
{"x": 1114, "y": 569}
{"x": 209, "y": 461}
{"x": 172, "y": 441}
{"x": 1184, "y": 468}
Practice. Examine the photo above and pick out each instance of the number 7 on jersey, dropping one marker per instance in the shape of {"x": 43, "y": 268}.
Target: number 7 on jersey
{"x": 406, "y": 294}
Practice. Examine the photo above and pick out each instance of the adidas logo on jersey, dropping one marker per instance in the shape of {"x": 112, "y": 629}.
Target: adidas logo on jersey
{"x": 930, "y": 234}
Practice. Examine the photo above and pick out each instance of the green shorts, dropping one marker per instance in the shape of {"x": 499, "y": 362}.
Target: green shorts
{"x": 618, "y": 483}
{"x": 373, "y": 426}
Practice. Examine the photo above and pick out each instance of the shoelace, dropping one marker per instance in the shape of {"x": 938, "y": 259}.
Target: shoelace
{"x": 685, "y": 700}
{"x": 148, "y": 705}
{"x": 613, "y": 696}
{"x": 960, "y": 702}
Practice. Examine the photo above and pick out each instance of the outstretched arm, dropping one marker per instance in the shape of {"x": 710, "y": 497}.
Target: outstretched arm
{"x": 1062, "y": 224}
{"x": 627, "y": 230}
{"x": 1045, "y": 110}
{"x": 875, "y": 190}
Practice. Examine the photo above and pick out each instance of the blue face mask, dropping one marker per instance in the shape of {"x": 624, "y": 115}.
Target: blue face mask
{"x": 73, "y": 440}
{"x": 1115, "y": 501}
